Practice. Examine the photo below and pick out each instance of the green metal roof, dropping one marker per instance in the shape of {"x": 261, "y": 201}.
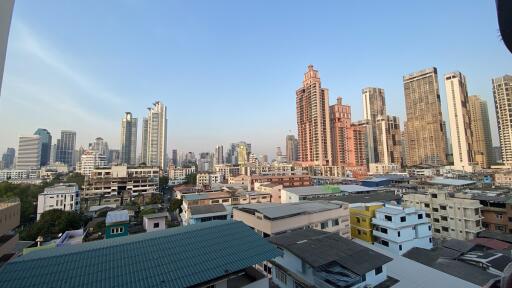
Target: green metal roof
{"x": 177, "y": 257}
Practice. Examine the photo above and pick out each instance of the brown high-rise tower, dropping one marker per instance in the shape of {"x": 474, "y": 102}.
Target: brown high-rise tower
{"x": 424, "y": 126}
{"x": 313, "y": 120}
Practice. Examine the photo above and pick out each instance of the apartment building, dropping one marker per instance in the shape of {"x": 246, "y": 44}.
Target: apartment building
{"x": 64, "y": 197}
{"x": 361, "y": 215}
{"x": 290, "y": 180}
{"x": 10, "y": 210}
{"x": 269, "y": 219}
{"x": 207, "y": 179}
{"x": 274, "y": 189}
{"x": 398, "y": 229}
{"x": 450, "y": 217}
{"x": 179, "y": 173}
{"x": 313, "y": 258}
{"x": 503, "y": 178}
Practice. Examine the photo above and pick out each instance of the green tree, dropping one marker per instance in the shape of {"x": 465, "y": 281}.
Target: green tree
{"x": 176, "y": 205}
{"x": 51, "y": 224}
{"x": 191, "y": 178}
{"x": 76, "y": 178}
{"x": 27, "y": 194}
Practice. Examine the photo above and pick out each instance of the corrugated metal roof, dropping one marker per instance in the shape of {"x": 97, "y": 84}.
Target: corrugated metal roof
{"x": 177, "y": 257}
{"x": 276, "y": 210}
{"x": 117, "y": 216}
{"x": 329, "y": 189}
{"x": 451, "y": 182}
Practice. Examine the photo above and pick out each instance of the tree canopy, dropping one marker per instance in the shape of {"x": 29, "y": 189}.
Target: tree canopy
{"x": 51, "y": 224}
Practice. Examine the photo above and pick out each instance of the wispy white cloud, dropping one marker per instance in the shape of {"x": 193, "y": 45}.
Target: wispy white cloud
{"x": 32, "y": 44}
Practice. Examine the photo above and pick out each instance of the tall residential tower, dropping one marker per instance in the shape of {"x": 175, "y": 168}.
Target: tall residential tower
{"x": 292, "y": 149}
{"x": 374, "y": 106}
{"x": 129, "y": 139}
{"x": 481, "y": 128}
{"x": 424, "y": 127}
{"x": 460, "y": 121}
{"x": 313, "y": 120}
{"x": 502, "y": 90}
{"x": 154, "y": 143}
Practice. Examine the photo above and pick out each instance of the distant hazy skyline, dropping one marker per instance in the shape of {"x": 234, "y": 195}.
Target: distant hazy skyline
{"x": 228, "y": 70}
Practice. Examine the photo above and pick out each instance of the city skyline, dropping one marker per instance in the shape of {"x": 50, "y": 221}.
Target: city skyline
{"x": 220, "y": 81}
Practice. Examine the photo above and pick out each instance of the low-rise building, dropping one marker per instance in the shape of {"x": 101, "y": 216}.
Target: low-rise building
{"x": 214, "y": 254}
{"x": 315, "y": 258}
{"x": 180, "y": 173}
{"x": 361, "y": 215}
{"x": 10, "y": 211}
{"x": 503, "y": 178}
{"x": 292, "y": 195}
{"x": 269, "y": 219}
{"x": 274, "y": 189}
{"x": 450, "y": 217}
{"x": 205, "y": 213}
{"x": 398, "y": 229}
{"x": 287, "y": 180}
{"x": 116, "y": 224}
{"x": 383, "y": 168}
{"x": 111, "y": 185}
{"x": 19, "y": 176}
{"x": 64, "y": 197}
{"x": 154, "y": 222}
{"x": 207, "y": 179}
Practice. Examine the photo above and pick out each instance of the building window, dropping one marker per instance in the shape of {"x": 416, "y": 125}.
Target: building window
{"x": 427, "y": 215}
{"x": 434, "y": 195}
{"x": 281, "y": 276}
{"x": 420, "y": 216}
{"x": 400, "y": 247}
{"x": 384, "y": 242}
{"x": 388, "y": 218}
{"x": 444, "y": 218}
{"x": 156, "y": 225}
{"x": 335, "y": 222}
{"x": 384, "y": 230}
{"x": 398, "y": 233}
{"x": 442, "y": 207}
{"x": 403, "y": 219}
{"x": 436, "y": 220}
{"x": 429, "y": 227}
{"x": 435, "y": 209}
{"x": 445, "y": 229}
{"x": 378, "y": 270}
{"x": 426, "y": 205}
{"x": 499, "y": 216}
{"x": 324, "y": 225}
{"x": 436, "y": 230}
{"x": 430, "y": 239}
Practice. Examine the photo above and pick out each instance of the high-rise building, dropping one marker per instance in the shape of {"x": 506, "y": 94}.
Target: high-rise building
{"x": 29, "y": 153}
{"x": 424, "y": 125}
{"x": 481, "y": 128}
{"x": 154, "y": 140}
{"x": 356, "y": 138}
{"x": 8, "y": 158}
{"x": 460, "y": 121}
{"x": 374, "y": 106}
{"x": 341, "y": 123}
{"x": 6, "y": 7}
{"x": 114, "y": 156}
{"x": 313, "y": 120}
{"x": 292, "y": 149}
{"x": 66, "y": 148}
{"x": 389, "y": 139}
{"x": 129, "y": 139}
{"x": 46, "y": 145}
{"x": 218, "y": 155}
{"x": 175, "y": 157}
{"x": 242, "y": 153}
{"x": 99, "y": 145}
{"x": 502, "y": 90}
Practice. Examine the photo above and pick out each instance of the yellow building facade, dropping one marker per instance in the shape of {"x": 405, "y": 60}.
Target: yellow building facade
{"x": 361, "y": 220}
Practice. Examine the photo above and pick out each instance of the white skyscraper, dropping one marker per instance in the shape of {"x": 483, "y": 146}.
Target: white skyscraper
{"x": 29, "y": 152}
{"x": 460, "y": 122}
{"x": 502, "y": 90}
{"x": 6, "y": 7}
{"x": 154, "y": 140}
{"x": 128, "y": 139}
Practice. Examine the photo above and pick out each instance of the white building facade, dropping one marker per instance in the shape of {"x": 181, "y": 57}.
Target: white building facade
{"x": 91, "y": 160}
{"x": 64, "y": 197}
{"x": 398, "y": 229}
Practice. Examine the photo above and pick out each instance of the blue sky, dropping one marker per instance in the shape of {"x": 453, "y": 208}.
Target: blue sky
{"x": 228, "y": 70}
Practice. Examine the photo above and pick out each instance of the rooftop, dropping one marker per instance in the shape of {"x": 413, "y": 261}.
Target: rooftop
{"x": 451, "y": 182}
{"x": 492, "y": 243}
{"x": 382, "y": 196}
{"x": 178, "y": 257}
{"x": 328, "y": 189}
{"x": 61, "y": 189}
{"x": 156, "y": 215}
{"x": 459, "y": 269}
{"x": 117, "y": 217}
{"x": 207, "y": 209}
{"x": 318, "y": 248}
{"x": 277, "y": 211}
